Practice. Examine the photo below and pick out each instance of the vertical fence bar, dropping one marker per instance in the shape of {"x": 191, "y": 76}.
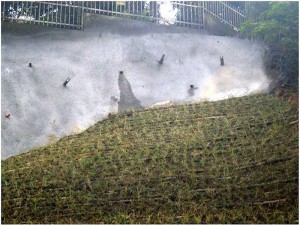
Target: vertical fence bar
{"x": 70, "y": 8}
{"x": 21, "y": 8}
{"x": 61, "y": 14}
{"x": 198, "y": 15}
{"x": 191, "y": 16}
{"x": 115, "y": 8}
{"x": 179, "y": 19}
{"x": 137, "y": 10}
{"x": 52, "y": 12}
{"x": 215, "y": 9}
{"x": 73, "y": 16}
{"x": 56, "y": 13}
{"x": 125, "y": 9}
{"x": 133, "y": 3}
{"x": 139, "y": 14}
{"x": 44, "y": 12}
{"x": 202, "y": 14}
{"x": 3, "y": 10}
{"x": 152, "y": 10}
{"x": 13, "y": 5}
{"x": 226, "y": 12}
{"x": 134, "y": 9}
{"x": 109, "y": 8}
{"x": 48, "y": 15}
{"x": 141, "y": 11}
{"x": 157, "y": 14}
{"x": 186, "y": 16}
{"x": 234, "y": 18}
{"x": 183, "y": 15}
{"x": 80, "y": 14}
{"x": 39, "y": 17}
{"x": 65, "y": 13}
{"x": 77, "y": 15}
{"x": 35, "y": 14}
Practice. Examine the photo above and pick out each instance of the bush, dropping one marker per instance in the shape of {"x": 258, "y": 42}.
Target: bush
{"x": 276, "y": 24}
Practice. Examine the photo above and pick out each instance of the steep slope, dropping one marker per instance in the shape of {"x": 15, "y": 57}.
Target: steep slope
{"x": 43, "y": 110}
{"x": 230, "y": 161}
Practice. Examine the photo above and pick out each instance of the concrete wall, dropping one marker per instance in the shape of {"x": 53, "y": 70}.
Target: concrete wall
{"x": 43, "y": 110}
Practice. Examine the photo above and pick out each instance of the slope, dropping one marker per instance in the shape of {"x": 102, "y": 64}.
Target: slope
{"x": 230, "y": 161}
{"x": 43, "y": 110}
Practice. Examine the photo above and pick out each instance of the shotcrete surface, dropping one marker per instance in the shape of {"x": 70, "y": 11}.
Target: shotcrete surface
{"x": 43, "y": 110}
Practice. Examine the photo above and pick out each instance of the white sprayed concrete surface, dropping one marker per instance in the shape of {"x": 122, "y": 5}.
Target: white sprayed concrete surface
{"x": 43, "y": 110}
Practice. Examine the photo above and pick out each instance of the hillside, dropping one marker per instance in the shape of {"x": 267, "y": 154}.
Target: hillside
{"x": 230, "y": 161}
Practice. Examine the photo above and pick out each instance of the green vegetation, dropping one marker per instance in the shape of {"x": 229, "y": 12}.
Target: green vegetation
{"x": 277, "y": 25}
{"x": 232, "y": 161}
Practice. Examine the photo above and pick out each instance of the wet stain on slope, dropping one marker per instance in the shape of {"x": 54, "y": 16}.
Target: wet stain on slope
{"x": 127, "y": 101}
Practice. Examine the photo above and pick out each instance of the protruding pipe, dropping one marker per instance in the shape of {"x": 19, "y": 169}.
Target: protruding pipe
{"x": 222, "y": 61}
{"x": 7, "y": 115}
{"x": 161, "y": 59}
{"x": 192, "y": 89}
{"x": 30, "y": 65}
{"x": 67, "y": 81}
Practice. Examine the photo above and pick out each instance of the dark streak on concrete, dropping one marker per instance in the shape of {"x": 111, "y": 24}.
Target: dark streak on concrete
{"x": 127, "y": 101}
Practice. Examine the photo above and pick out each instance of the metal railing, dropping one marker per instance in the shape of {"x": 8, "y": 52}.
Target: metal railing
{"x": 61, "y": 14}
{"x": 189, "y": 14}
{"x": 225, "y": 13}
{"x": 69, "y": 14}
{"x": 138, "y": 10}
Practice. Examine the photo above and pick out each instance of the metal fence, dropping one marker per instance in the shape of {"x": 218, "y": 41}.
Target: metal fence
{"x": 232, "y": 16}
{"x": 69, "y": 14}
{"x": 48, "y": 13}
{"x": 188, "y": 14}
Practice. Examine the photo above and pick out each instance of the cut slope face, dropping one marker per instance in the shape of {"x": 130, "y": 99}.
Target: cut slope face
{"x": 43, "y": 110}
{"x": 231, "y": 161}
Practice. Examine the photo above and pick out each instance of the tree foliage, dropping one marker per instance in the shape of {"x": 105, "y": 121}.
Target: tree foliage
{"x": 276, "y": 24}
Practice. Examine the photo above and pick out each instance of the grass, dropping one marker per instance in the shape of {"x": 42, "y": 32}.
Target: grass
{"x": 231, "y": 161}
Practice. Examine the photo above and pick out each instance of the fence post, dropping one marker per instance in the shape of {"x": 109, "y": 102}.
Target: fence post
{"x": 82, "y": 12}
{"x": 3, "y": 10}
{"x": 203, "y": 15}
